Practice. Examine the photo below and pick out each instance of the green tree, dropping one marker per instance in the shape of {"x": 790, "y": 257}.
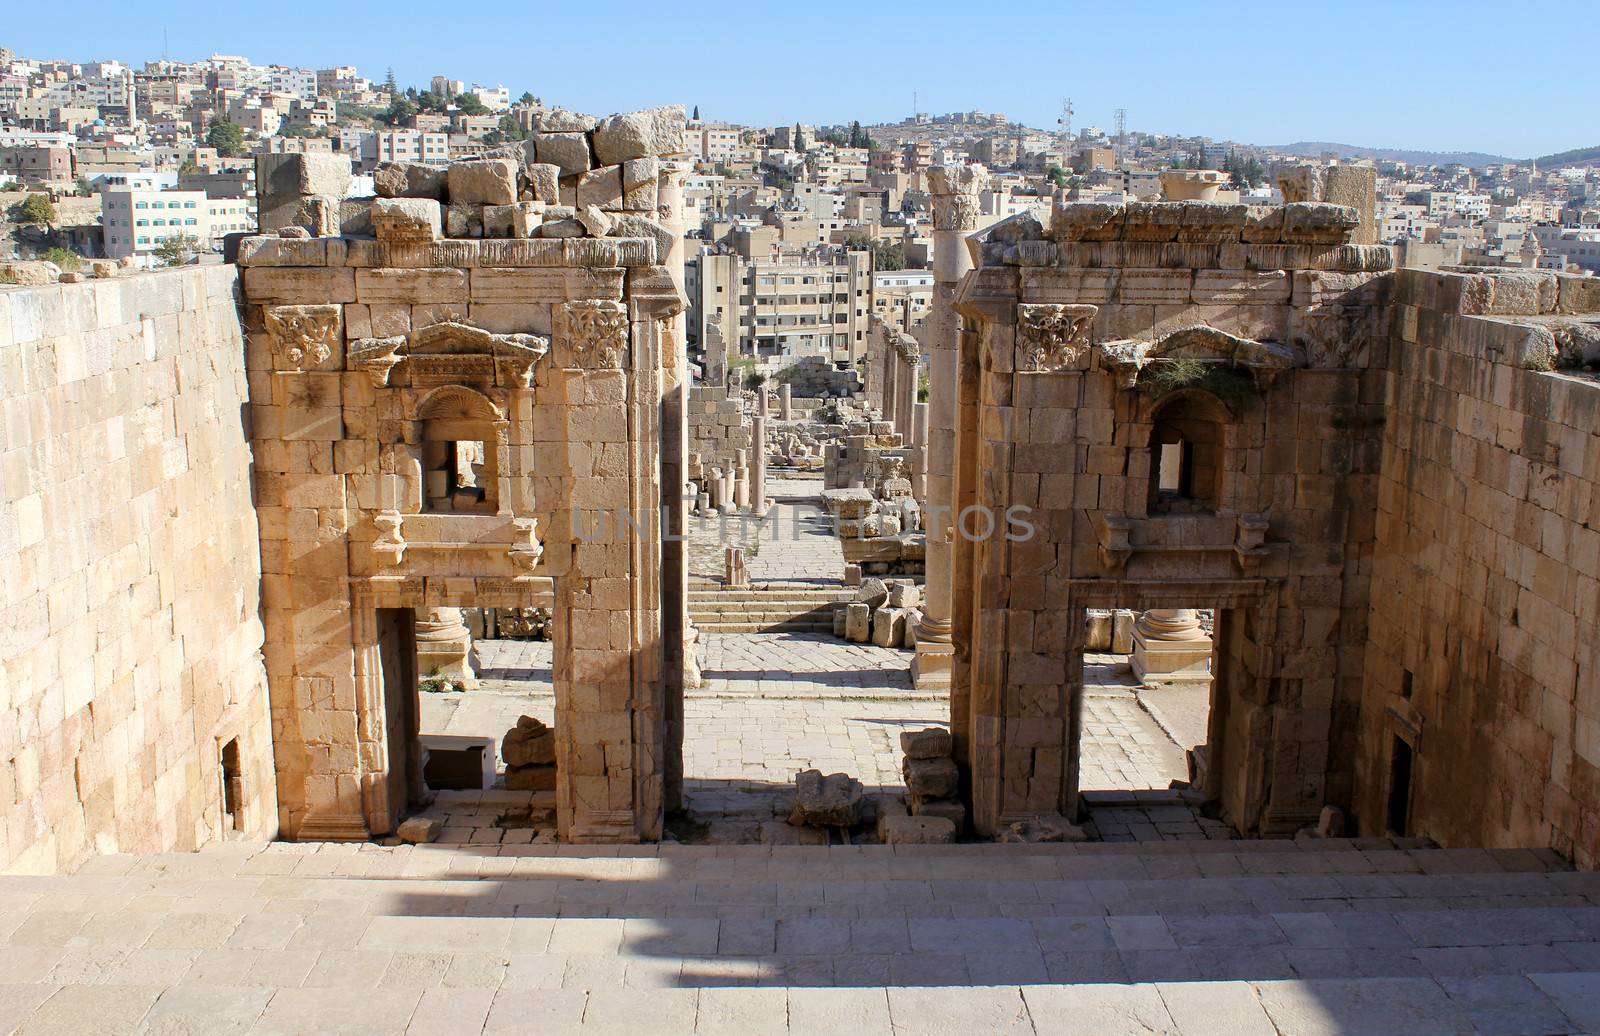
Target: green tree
{"x": 189, "y": 167}
{"x": 177, "y": 250}
{"x": 35, "y": 208}
{"x": 527, "y": 98}
{"x": 389, "y": 83}
{"x": 799, "y": 145}
{"x": 227, "y": 138}
{"x": 400, "y": 111}
{"x": 85, "y": 188}
{"x": 1056, "y": 175}
{"x": 471, "y": 104}
{"x": 696, "y": 115}
{"x": 856, "y": 134}
{"x": 886, "y": 255}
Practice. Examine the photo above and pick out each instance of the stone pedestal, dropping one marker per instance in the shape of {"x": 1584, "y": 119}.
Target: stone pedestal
{"x": 444, "y": 646}
{"x": 1170, "y": 648}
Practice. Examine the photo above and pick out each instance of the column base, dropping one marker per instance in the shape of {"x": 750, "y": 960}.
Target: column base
{"x": 930, "y": 669}
{"x": 1169, "y": 663}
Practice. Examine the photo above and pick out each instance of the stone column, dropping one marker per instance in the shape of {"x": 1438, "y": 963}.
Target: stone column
{"x": 444, "y": 646}
{"x": 758, "y": 465}
{"x": 785, "y": 403}
{"x": 1170, "y": 648}
{"x": 919, "y": 440}
{"x": 954, "y": 191}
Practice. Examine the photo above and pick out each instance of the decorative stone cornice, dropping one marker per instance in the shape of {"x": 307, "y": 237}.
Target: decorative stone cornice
{"x": 1125, "y": 358}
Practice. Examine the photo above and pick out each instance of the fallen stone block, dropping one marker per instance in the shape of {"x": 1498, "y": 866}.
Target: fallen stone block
{"x": 409, "y": 180}
{"x": 1046, "y": 827}
{"x": 888, "y": 627}
{"x": 407, "y": 220}
{"x": 530, "y": 742}
{"x": 905, "y": 595}
{"x": 928, "y": 743}
{"x": 952, "y": 809}
{"x": 931, "y": 778}
{"x": 419, "y": 830}
{"x": 857, "y": 623}
{"x": 835, "y": 800}
{"x": 873, "y": 592}
{"x": 487, "y": 181}
{"x": 654, "y": 132}
{"x": 531, "y": 778}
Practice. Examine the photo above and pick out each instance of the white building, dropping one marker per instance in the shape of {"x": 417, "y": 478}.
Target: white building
{"x": 405, "y": 146}
{"x": 494, "y": 98}
{"x": 135, "y": 221}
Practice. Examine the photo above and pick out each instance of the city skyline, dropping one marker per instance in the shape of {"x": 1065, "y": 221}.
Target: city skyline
{"x": 941, "y": 64}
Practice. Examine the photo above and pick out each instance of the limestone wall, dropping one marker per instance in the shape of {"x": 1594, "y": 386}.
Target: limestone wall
{"x": 129, "y": 635}
{"x": 1486, "y": 582}
{"x": 718, "y": 426}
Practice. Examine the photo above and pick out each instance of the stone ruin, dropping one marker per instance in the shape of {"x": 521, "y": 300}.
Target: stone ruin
{"x": 458, "y": 390}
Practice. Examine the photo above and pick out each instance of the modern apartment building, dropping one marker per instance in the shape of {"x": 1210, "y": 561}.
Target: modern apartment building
{"x": 429, "y": 147}
{"x": 135, "y": 221}
{"x": 778, "y": 310}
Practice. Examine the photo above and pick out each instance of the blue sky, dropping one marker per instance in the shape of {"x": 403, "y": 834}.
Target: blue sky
{"x": 1457, "y": 76}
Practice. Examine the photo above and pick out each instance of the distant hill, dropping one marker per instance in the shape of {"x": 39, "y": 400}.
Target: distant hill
{"x": 1315, "y": 148}
{"x": 1578, "y": 156}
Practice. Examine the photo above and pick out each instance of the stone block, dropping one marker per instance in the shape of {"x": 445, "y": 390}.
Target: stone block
{"x": 299, "y": 284}
{"x": 1122, "y": 623}
{"x": 544, "y": 180}
{"x": 531, "y": 778}
{"x": 594, "y": 221}
{"x": 407, "y": 220}
{"x": 873, "y": 593}
{"x": 410, "y": 180}
{"x": 1098, "y": 634}
{"x": 1212, "y": 221}
{"x": 852, "y": 575}
{"x": 529, "y": 743}
{"x": 857, "y": 623}
{"x": 836, "y": 800}
{"x": 931, "y": 778}
{"x": 411, "y": 286}
{"x": 905, "y": 595}
{"x": 419, "y": 830}
{"x": 655, "y": 132}
{"x": 1313, "y": 223}
{"x": 569, "y": 152}
{"x": 484, "y": 181}
{"x": 1085, "y": 221}
{"x": 639, "y": 178}
{"x": 928, "y": 743}
{"x": 951, "y": 809}
{"x": 601, "y": 188}
{"x": 916, "y": 831}
{"x": 463, "y": 219}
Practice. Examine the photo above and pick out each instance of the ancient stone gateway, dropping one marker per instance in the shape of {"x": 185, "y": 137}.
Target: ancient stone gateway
{"x": 1183, "y": 397}
{"x": 473, "y": 422}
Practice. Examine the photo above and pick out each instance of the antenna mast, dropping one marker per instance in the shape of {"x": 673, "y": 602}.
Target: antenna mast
{"x": 1122, "y": 132}
{"x": 1066, "y": 128}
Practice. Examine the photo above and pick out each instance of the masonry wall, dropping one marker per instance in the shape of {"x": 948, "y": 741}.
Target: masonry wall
{"x": 1487, "y": 575}
{"x": 129, "y": 631}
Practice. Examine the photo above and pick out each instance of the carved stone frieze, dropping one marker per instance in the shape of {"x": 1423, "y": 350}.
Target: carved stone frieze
{"x": 596, "y": 332}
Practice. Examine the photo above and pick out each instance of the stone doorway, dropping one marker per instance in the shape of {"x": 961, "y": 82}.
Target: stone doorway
{"x": 1144, "y": 724}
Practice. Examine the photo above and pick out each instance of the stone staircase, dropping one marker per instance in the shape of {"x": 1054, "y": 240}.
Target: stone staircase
{"x": 1365, "y": 936}
{"x": 772, "y": 608}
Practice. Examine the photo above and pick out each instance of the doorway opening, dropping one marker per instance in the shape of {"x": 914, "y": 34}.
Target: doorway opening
{"x": 470, "y": 703}
{"x": 232, "y": 787}
{"x": 1146, "y": 721}
{"x": 1398, "y": 815}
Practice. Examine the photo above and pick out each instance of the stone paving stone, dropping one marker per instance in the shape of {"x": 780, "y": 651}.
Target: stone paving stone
{"x": 191, "y": 1007}
{"x": 1097, "y": 1010}
{"x": 1578, "y": 995}
{"x": 958, "y": 1011}
{"x": 742, "y": 1011}
{"x": 1215, "y": 1009}
{"x": 555, "y": 1012}
{"x": 826, "y": 1012}
{"x": 1342, "y": 1007}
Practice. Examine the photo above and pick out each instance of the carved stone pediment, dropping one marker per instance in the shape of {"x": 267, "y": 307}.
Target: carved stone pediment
{"x": 1052, "y": 337}
{"x": 304, "y": 337}
{"x": 451, "y": 353}
{"x": 1125, "y": 358}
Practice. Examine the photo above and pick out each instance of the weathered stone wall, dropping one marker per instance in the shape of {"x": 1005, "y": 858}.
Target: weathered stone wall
{"x": 129, "y": 630}
{"x": 812, "y": 377}
{"x": 718, "y": 426}
{"x": 1486, "y": 583}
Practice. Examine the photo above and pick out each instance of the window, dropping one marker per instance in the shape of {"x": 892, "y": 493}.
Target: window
{"x": 1398, "y": 815}
{"x": 1185, "y": 453}
{"x": 232, "y": 786}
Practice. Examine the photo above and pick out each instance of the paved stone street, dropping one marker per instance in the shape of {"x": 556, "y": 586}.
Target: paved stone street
{"x": 1236, "y": 937}
{"x": 795, "y": 544}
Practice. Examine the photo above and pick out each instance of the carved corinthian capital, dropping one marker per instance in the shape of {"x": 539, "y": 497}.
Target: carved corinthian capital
{"x": 1052, "y": 337}
{"x": 303, "y": 336}
{"x": 596, "y": 332}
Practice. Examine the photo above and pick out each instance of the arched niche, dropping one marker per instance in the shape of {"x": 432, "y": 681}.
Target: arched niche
{"x": 1188, "y": 436}
{"x": 461, "y": 441}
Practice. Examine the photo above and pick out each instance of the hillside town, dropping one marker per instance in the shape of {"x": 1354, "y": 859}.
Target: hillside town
{"x": 110, "y": 151}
